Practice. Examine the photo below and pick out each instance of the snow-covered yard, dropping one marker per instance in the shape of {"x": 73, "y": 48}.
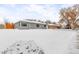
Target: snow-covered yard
{"x": 51, "y": 41}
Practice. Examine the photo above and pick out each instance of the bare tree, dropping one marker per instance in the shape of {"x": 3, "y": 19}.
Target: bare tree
{"x": 70, "y": 14}
{"x": 48, "y": 22}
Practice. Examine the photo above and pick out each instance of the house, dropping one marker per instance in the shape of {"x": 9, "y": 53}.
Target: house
{"x": 64, "y": 24}
{"x": 2, "y": 26}
{"x": 28, "y": 24}
{"x": 54, "y": 26}
{"x": 77, "y": 23}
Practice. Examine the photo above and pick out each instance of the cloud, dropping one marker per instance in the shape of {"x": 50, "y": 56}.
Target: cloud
{"x": 45, "y": 11}
{"x": 66, "y": 5}
{"x": 16, "y": 12}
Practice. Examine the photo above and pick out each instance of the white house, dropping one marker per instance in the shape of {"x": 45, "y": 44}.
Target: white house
{"x": 27, "y": 24}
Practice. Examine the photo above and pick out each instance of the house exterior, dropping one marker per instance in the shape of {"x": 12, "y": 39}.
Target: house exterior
{"x": 64, "y": 24}
{"x": 54, "y": 26}
{"x": 27, "y": 24}
{"x": 2, "y": 26}
{"x": 77, "y": 23}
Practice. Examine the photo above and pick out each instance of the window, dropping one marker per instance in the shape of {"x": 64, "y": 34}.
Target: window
{"x": 24, "y": 24}
{"x": 37, "y": 25}
{"x": 44, "y": 25}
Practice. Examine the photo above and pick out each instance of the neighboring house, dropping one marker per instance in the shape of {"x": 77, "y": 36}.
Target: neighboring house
{"x": 2, "y": 26}
{"x": 27, "y": 24}
{"x": 54, "y": 26}
{"x": 77, "y": 23}
{"x": 64, "y": 24}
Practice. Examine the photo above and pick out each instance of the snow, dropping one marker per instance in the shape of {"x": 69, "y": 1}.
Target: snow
{"x": 51, "y": 41}
{"x": 24, "y": 47}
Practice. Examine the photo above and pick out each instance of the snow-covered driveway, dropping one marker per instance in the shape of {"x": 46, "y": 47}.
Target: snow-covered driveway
{"x": 51, "y": 41}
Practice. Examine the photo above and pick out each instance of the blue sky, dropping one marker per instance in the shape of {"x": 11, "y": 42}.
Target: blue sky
{"x": 16, "y": 12}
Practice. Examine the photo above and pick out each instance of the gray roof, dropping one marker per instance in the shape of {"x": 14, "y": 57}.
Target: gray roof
{"x": 31, "y": 21}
